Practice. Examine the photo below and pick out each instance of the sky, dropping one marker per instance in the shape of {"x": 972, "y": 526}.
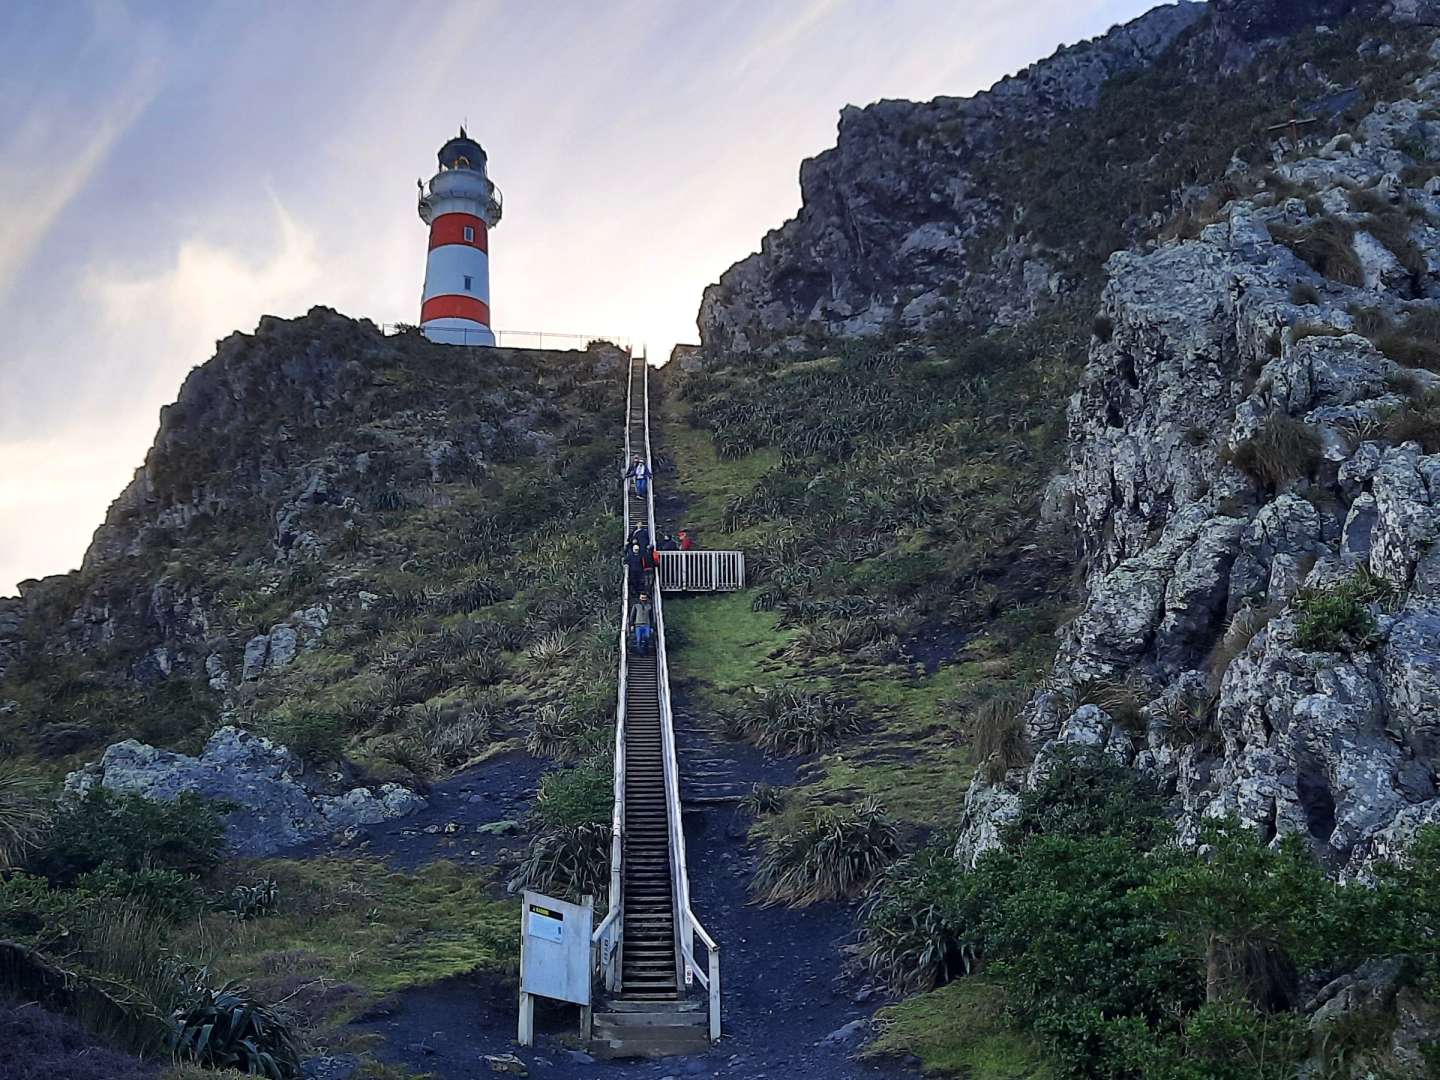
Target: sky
{"x": 171, "y": 171}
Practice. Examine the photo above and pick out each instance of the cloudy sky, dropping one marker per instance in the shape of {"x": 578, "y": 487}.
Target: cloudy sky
{"x": 171, "y": 171}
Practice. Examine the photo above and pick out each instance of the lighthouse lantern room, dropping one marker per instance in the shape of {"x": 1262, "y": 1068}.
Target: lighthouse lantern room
{"x": 461, "y": 206}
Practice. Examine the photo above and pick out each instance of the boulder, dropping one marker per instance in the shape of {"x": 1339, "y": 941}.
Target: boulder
{"x": 275, "y": 805}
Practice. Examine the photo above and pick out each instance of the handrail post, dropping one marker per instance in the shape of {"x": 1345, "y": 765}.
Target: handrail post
{"x": 714, "y": 989}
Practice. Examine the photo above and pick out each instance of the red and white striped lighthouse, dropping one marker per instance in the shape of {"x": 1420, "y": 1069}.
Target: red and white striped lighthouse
{"x": 461, "y": 206}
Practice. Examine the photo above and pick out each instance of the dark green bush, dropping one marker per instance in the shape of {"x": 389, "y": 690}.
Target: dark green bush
{"x": 583, "y": 795}
{"x": 1337, "y": 617}
{"x": 1087, "y": 795}
{"x": 131, "y": 834}
{"x": 1303, "y": 293}
{"x": 314, "y": 735}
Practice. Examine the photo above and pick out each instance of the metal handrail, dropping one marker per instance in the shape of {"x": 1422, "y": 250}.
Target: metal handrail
{"x": 687, "y": 926}
{"x": 611, "y": 930}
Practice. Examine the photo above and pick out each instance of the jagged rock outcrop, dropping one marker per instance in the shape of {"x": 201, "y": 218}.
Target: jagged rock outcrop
{"x": 890, "y": 215}
{"x": 276, "y": 804}
{"x": 1240, "y": 453}
{"x": 902, "y": 226}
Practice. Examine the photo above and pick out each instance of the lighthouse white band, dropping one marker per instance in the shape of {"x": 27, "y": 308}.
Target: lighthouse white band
{"x": 447, "y": 268}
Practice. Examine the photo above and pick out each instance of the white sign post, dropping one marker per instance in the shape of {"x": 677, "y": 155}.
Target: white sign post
{"x": 554, "y": 956}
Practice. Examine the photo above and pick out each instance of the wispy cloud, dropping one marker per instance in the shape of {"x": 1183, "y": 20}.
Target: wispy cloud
{"x": 50, "y": 149}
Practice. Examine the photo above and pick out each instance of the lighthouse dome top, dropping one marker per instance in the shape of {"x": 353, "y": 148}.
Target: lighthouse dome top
{"x": 462, "y": 152}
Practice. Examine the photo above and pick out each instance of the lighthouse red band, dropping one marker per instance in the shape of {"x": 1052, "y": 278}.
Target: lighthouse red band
{"x": 461, "y": 206}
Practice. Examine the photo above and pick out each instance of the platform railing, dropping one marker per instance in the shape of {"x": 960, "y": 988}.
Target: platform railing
{"x": 702, "y": 571}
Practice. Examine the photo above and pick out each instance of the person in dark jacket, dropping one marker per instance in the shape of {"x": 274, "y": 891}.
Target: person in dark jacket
{"x": 635, "y": 569}
{"x": 668, "y": 542}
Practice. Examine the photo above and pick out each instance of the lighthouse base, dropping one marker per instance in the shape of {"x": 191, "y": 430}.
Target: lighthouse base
{"x": 458, "y": 332}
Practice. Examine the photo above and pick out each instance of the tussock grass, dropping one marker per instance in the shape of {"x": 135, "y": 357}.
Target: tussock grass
{"x": 1282, "y": 450}
{"x": 833, "y": 855}
{"x": 1325, "y": 246}
{"x": 569, "y": 860}
{"x": 1242, "y": 629}
{"x": 787, "y": 721}
{"x": 24, "y": 813}
{"x": 997, "y": 735}
{"x": 1304, "y": 294}
{"x": 1418, "y": 421}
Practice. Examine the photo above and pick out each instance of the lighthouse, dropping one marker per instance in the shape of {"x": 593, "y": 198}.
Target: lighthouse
{"x": 461, "y": 206}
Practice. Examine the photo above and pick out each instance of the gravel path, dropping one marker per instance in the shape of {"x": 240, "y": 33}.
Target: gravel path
{"x": 786, "y": 1003}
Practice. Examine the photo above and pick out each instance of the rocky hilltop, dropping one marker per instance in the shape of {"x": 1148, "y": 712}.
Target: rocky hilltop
{"x": 1254, "y": 474}
{"x": 985, "y": 210}
{"x": 318, "y": 498}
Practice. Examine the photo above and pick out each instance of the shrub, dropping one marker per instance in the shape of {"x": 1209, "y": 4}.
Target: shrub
{"x": 1103, "y": 328}
{"x": 786, "y": 721}
{"x": 1243, "y": 910}
{"x": 997, "y": 734}
{"x": 1304, "y": 294}
{"x": 570, "y": 860}
{"x": 24, "y": 812}
{"x": 1301, "y": 331}
{"x": 1282, "y": 450}
{"x": 584, "y": 795}
{"x": 1325, "y": 245}
{"x": 166, "y": 893}
{"x": 131, "y": 833}
{"x": 1244, "y": 625}
{"x": 226, "y": 1028}
{"x": 566, "y": 733}
{"x": 314, "y": 735}
{"x": 1338, "y": 617}
{"x": 1085, "y": 795}
{"x": 833, "y": 855}
{"x": 450, "y": 734}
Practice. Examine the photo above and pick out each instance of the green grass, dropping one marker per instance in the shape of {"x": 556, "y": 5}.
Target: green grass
{"x": 714, "y": 480}
{"x": 960, "y": 1030}
{"x": 725, "y": 645}
{"x": 356, "y": 922}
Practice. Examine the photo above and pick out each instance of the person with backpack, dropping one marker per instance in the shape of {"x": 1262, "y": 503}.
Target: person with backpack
{"x": 642, "y": 624}
{"x": 639, "y": 472}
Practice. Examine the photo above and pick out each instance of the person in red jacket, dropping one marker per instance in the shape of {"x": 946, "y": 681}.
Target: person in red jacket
{"x": 687, "y": 542}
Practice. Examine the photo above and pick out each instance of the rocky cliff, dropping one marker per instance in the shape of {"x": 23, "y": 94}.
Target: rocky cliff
{"x": 334, "y": 533}
{"x": 1255, "y": 479}
{"x": 982, "y": 211}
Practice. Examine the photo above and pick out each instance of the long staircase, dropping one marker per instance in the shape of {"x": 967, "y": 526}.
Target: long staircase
{"x": 645, "y": 947}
